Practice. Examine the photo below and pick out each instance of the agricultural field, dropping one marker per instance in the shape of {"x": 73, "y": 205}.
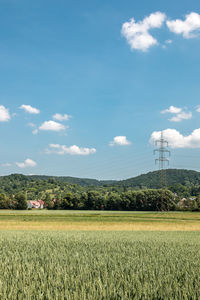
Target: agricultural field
{"x": 79, "y": 255}
{"x": 98, "y": 220}
{"x": 99, "y": 265}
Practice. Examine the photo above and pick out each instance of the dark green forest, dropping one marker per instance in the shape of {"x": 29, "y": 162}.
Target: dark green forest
{"x": 138, "y": 193}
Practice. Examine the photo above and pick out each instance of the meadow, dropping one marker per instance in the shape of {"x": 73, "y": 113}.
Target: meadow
{"x": 42, "y": 257}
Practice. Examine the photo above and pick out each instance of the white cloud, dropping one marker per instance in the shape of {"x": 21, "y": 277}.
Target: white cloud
{"x": 120, "y": 140}
{"x": 188, "y": 28}
{"x": 182, "y": 116}
{"x": 179, "y": 114}
{"x": 198, "y": 109}
{"x": 137, "y": 33}
{"x": 4, "y": 114}
{"x": 72, "y": 150}
{"x": 29, "y": 109}
{"x": 27, "y": 163}
{"x": 6, "y": 165}
{"x": 177, "y": 140}
{"x": 172, "y": 110}
{"x": 61, "y": 118}
{"x": 52, "y": 126}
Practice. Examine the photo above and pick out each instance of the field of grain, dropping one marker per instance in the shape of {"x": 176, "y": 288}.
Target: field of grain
{"x": 79, "y": 265}
{"x": 89, "y": 255}
{"x": 99, "y": 220}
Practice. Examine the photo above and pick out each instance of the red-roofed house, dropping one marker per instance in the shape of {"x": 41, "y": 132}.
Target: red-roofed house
{"x": 36, "y": 204}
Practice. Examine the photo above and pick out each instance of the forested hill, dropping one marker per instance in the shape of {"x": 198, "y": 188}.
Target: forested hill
{"x": 173, "y": 177}
{"x": 183, "y": 182}
{"x": 74, "y": 180}
{"x": 149, "y": 180}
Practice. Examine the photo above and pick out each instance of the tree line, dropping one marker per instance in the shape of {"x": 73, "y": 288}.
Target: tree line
{"x": 17, "y": 201}
{"x": 131, "y": 200}
{"x": 142, "y": 200}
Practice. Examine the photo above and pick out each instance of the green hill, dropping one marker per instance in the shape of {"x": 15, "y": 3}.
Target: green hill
{"x": 149, "y": 180}
{"x": 153, "y": 179}
{"x": 74, "y": 180}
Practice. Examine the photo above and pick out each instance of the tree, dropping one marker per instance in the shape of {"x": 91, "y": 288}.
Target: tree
{"x": 141, "y": 200}
{"x": 94, "y": 200}
{"x": 5, "y": 202}
{"x": 113, "y": 201}
{"x": 159, "y": 200}
{"x": 129, "y": 200}
{"x": 48, "y": 202}
{"x": 70, "y": 201}
{"x": 21, "y": 202}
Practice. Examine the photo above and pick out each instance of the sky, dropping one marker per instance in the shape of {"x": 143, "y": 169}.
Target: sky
{"x": 86, "y": 87}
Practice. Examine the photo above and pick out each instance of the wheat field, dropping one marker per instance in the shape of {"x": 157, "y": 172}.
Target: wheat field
{"x": 85, "y": 255}
{"x": 101, "y": 221}
{"x": 80, "y": 265}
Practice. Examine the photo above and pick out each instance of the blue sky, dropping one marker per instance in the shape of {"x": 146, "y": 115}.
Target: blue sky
{"x": 115, "y": 86}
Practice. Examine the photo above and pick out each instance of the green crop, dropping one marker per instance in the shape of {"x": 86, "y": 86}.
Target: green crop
{"x": 99, "y": 265}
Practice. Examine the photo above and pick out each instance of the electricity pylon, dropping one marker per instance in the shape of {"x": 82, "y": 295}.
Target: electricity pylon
{"x": 162, "y": 145}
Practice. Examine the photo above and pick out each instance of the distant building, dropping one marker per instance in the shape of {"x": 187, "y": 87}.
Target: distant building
{"x": 36, "y": 204}
{"x": 185, "y": 203}
{"x": 182, "y": 202}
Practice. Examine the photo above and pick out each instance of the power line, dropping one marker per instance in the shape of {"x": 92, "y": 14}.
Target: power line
{"x": 162, "y": 145}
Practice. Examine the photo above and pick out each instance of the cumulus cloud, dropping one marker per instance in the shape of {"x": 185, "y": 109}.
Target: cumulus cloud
{"x": 177, "y": 140}
{"x": 182, "y": 116}
{"x": 172, "y": 110}
{"x": 188, "y": 28}
{"x": 120, "y": 141}
{"x": 59, "y": 117}
{"x": 4, "y": 114}
{"x": 52, "y": 126}
{"x": 26, "y": 164}
{"x": 72, "y": 150}
{"x": 29, "y": 109}
{"x": 137, "y": 33}
{"x": 179, "y": 114}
